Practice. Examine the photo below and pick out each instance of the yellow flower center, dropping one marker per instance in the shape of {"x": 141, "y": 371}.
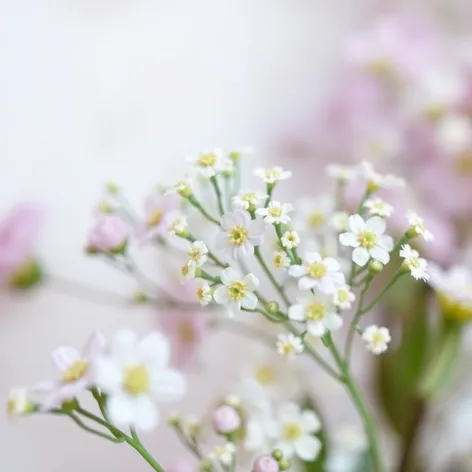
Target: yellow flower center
{"x": 275, "y": 211}
{"x": 463, "y": 164}
{"x": 279, "y": 259}
{"x": 185, "y": 270}
{"x": 136, "y": 379}
{"x": 201, "y": 293}
{"x": 272, "y": 174}
{"x": 414, "y": 262}
{"x": 235, "y": 156}
{"x": 343, "y": 296}
{"x": 316, "y": 219}
{"x": 377, "y": 338}
{"x": 264, "y": 374}
{"x": 186, "y": 333}
{"x": 288, "y": 349}
{"x": 237, "y": 290}
{"x": 248, "y": 197}
{"x": 455, "y": 309}
{"x": 315, "y": 311}
{"x": 155, "y": 217}
{"x": 238, "y": 235}
{"x": 367, "y": 239}
{"x": 316, "y": 270}
{"x": 207, "y": 160}
{"x": 194, "y": 254}
{"x": 75, "y": 371}
{"x": 292, "y": 431}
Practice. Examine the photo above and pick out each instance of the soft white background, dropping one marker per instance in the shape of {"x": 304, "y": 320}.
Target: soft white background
{"x": 98, "y": 89}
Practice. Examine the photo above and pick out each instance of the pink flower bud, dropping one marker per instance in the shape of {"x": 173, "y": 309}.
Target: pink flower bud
{"x": 109, "y": 234}
{"x": 265, "y": 464}
{"x": 226, "y": 420}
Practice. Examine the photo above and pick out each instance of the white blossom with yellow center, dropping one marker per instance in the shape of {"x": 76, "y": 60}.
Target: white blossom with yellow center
{"x": 236, "y": 291}
{"x": 318, "y": 312}
{"x": 18, "y": 402}
{"x": 378, "y": 207}
{"x": 281, "y": 260}
{"x": 318, "y": 273}
{"x": 414, "y": 263}
{"x": 376, "y": 339}
{"x": 376, "y": 181}
{"x": 249, "y": 199}
{"x": 313, "y": 215}
{"x": 417, "y": 226}
{"x": 224, "y": 454}
{"x": 368, "y": 240}
{"x": 276, "y": 213}
{"x": 179, "y": 227}
{"x": 134, "y": 373}
{"x": 182, "y": 187}
{"x": 290, "y": 239}
{"x": 289, "y": 345}
{"x": 272, "y": 175}
{"x": 295, "y": 432}
{"x": 210, "y": 163}
{"x": 204, "y": 293}
{"x": 197, "y": 254}
{"x": 343, "y": 297}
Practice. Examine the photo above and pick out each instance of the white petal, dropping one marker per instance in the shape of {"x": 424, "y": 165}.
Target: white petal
{"x": 379, "y": 254}
{"x": 249, "y": 301}
{"x": 386, "y": 242}
{"x": 296, "y": 313}
{"x": 222, "y": 240}
{"x": 243, "y": 218}
{"x": 360, "y": 256}
{"x": 64, "y": 356}
{"x": 95, "y": 345}
{"x": 155, "y": 350}
{"x": 310, "y": 422}
{"x": 376, "y": 224}
{"x": 251, "y": 281}
{"x": 289, "y": 411}
{"x": 221, "y": 295}
{"x": 311, "y": 257}
{"x": 228, "y": 221}
{"x": 123, "y": 348}
{"x": 307, "y": 448}
{"x": 121, "y": 410}
{"x": 168, "y": 385}
{"x": 254, "y": 437}
{"x": 338, "y": 278}
{"x": 297, "y": 270}
{"x": 229, "y": 275}
{"x": 45, "y": 386}
{"x": 356, "y": 223}
{"x": 348, "y": 239}
{"x": 107, "y": 375}
{"x": 316, "y": 328}
{"x": 331, "y": 264}
{"x": 333, "y": 321}
{"x": 326, "y": 285}
{"x": 306, "y": 283}
{"x": 145, "y": 414}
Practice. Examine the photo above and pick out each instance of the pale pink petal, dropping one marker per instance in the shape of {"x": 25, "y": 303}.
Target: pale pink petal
{"x": 95, "y": 345}
{"x": 63, "y": 357}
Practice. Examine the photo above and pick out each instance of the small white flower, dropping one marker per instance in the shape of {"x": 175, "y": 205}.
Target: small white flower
{"x": 313, "y": 214}
{"x": 295, "y": 432}
{"x": 179, "y": 226}
{"x": 340, "y": 221}
{"x": 417, "y": 225}
{"x": 249, "y": 199}
{"x": 211, "y": 163}
{"x": 281, "y": 260}
{"x": 273, "y": 175}
{"x": 319, "y": 313}
{"x": 240, "y": 234}
{"x": 224, "y": 454}
{"x": 197, "y": 254}
{"x": 413, "y": 261}
{"x": 454, "y": 134}
{"x": 343, "y": 298}
{"x": 340, "y": 172}
{"x": 378, "y": 207}
{"x": 290, "y": 239}
{"x": 376, "y": 339}
{"x": 375, "y": 180}
{"x": 188, "y": 270}
{"x": 236, "y": 291}
{"x": 204, "y": 293}
{"x": 182, "y": 187}
{"x": 289, "y": 345}
{"x": 276, "y": 212}
{"x": 318, "y": 272}
{"x": 18, "y": 402}
{"x": 132, "y": 374}
{"x": 368, "y": 239}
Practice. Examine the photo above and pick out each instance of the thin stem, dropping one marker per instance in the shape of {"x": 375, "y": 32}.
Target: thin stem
{"x": 219, "y": 198}
{"x": 396, "y": 276}
{"x": 114, "y": 430}
{"x": 136, "y": 444}
{"x": 270, "y": 189}
{"x": 90, "y": 430}
{"x": 194, "y": 202}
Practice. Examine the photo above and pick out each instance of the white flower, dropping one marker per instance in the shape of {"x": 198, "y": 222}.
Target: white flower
{"x": 197, "y": 254}
{"x": 376, "y": 339}
{"x": 343, "y": 298}
{"x": 179, "y": 226}
{"x": 318, "y": 272}
{"x": 454, "y": 134}
{"x": 188, "y": 270}
{"x": 313, "y": 214}
{"x": 340, "y": 172}
{"x": 375, "y": 180}
{"x": 240, "y": 234}
{"x": 182, "y": 187}
{"x": 276, "y": 212}
{"x": 281, "y": 260}
{"x": 290, "y": 239}
{"x": 289, "y": 345}
{"x": 340, "y": 221}
{"x": 258, "y": 435}
{"x": 417, "y": 225}
{"x": 319, "y": 313}
{"x": 413, "y": 261}
{"x": 211, "y": 163}
{"x": 134, "y": 373}
{"x": 378, "y": 207}
{"x": 249, "y": 199}
{"x": 295, "y": 429}
{"x": 273, "y": 175}
{"x": 368, "y": 239}
{"x": 224, "y": 454}
{"x": 236, "y": 292}
{"x": 18, "y": 402}
{"x": 204, "y": 293}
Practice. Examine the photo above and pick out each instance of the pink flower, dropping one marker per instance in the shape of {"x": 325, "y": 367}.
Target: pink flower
{"x": 160, "y": 211}
{"x": 181, "y": 464}
{"x": 226, "y": 420}
{"x": 265, "y": 464}
{"x": 18, "y": 233}
{"x": 75, "y": 373}
{"x": 109, "y": 235}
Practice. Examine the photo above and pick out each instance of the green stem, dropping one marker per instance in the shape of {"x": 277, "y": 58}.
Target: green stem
{"x": 219, "y": 198}
{"x": 90, "y": 430}
{"x": 194, "y": 202}
{"x": 115, "y": 431}
{"x": 270, "y": 189}
{"x": 136, "y": 444}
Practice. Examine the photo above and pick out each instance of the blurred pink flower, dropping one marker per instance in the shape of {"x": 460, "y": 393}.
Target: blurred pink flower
{"x": 181, "y": 464}
{"x": 160, "y": 211}
{"x": 109, "y": 234}
{"x": 18, "y": 233}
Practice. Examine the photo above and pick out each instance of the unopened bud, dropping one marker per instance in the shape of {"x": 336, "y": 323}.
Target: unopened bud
{"x": 112, "y": 187}
{"x": 174, "y": 419}
{"x": 277, "y": 454}
{"x": 140, "y": 297}
{"x": 226, "y": 420}
{"x": 272, "y": 307}
{"x": 284, "y": 464}
{"x": 265, "y": 464}
{"x": 375, "y": 266}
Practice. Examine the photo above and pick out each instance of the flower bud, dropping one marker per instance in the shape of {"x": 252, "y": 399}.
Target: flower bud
{"x": 375, "y": 267}
{"x": 112, "y": 187}
{"x": 174, "y": 420}
{"x": 265, "y": 464}
{"x": 18, "y": 403}
{"x": 109, "y": 235}
{"x": 226, "y": 420}
{"x": 272, "y": 307}
{"x": 284, "y": 464}
{"x": 27, "y": 275}
{"x": 277, "y": 454}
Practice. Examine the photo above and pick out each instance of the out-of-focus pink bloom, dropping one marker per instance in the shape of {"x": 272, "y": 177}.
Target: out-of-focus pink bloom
{"x": 75, "y": 373}
{"x": 181, "y": 464}
{"x": 18, "y": 233}
{"x": 225, "y": 420}
{"x": 160, "y": 211}
{"x": 265, "y": 464}
{"x": 109, "y": 235}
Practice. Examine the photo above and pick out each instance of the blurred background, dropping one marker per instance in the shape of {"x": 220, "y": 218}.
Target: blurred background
{"x": 93, "y": 90}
